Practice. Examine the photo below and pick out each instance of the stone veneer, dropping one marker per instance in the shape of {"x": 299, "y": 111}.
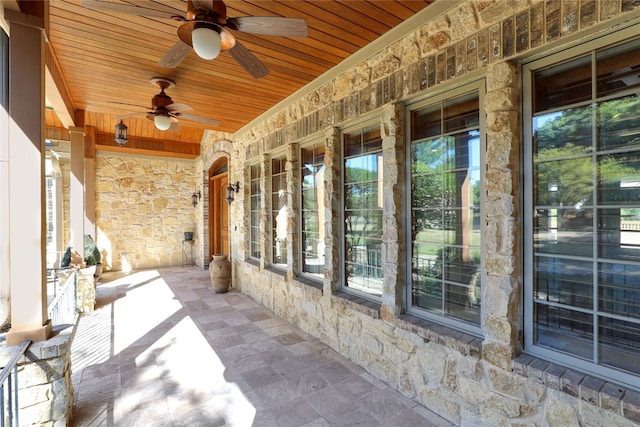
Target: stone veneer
{"x": 44, "y": 380}
{"x": 143, "y": 207}
{"x": 468, "y": 380}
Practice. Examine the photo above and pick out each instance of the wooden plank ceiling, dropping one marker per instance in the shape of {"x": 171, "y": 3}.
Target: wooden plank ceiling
{"x": 107, "y": 59}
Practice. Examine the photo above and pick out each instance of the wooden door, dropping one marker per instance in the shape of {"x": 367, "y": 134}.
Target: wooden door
{"x": 218, "y": 215}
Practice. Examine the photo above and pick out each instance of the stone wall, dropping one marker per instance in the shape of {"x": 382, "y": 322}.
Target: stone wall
{"x": 468, "y": 380}
{"x": 44, "y": 380}
{"x": 143, "y": 207}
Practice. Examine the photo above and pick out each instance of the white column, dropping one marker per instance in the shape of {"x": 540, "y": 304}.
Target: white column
{"x": 29, "y": 318}
{"x": 76, "y": 193}
{"x": 4, "y": 200}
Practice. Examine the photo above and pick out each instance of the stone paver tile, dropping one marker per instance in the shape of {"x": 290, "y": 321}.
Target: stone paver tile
{"x": 261, "y": 377}
{"x": 330, "y": 402}
{"x": 381, "y": 405}
{"x": 334, "y": 372}
{"x": 151, "y": 413}
{"x": 294, "y": 413}
{"x": 356, "y": 417}
{"x": 227, "y": 341}
{"x": 304, "y": 381}
{"x": 288, "y": 339}
{"x": 275, "y": 394}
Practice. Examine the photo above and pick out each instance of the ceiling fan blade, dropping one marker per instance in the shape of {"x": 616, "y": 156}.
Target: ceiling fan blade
{"x": 270, "y": 26}
{"x": 205, "y": 120}
{"x": 177, "y": 107}
{"x": 126, "y": 116}
{"x": 126, "y": 9}
{"x": 248, "y": 61}
{"x": 175, "y": 55}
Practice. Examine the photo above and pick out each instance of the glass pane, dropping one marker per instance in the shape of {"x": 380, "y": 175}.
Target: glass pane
{"x": 426, "y": 156}
{"x": 564, "y": 281}
{"x": 427, "y": 293}
{"x": 426, "y": 122}
{"x": 619, "y": 123}
{"x": 562, "y": 84}
{"x": 619, "y": 179}
{"x": 463, "y": 302}
{"x": 461, "y": 113}
{"x": 618, "y": 68}
{"x": 563, "y": 134}
{"x": 563, "y": 231}
{"x": 619, "y": 233}
{"x": 352, "y": 144}
{"x": 564, "y": 183}
{"x": 619, "y": 290}
{"x": 619, "y": 344}
{"x": 565, "y": 330}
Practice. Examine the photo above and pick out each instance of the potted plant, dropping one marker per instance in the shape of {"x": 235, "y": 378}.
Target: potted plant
{"x": 92, "y": 255}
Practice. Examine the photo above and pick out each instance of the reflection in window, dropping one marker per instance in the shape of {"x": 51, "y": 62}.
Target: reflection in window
{"x": 363, "y": 211}
{"x": 279, "y": 212}
{"x": 445, "y": 209}
{"x": 586, "y": 207}
{"x": 313, "y": 193}
{"x": 254, "y": 246}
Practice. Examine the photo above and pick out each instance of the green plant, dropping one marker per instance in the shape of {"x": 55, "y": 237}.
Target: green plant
{"x": 65, "y": 262}
{"x": 91, "y": 252}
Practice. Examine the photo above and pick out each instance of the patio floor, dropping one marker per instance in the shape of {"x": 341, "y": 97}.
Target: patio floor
{"x": 162, "y": 349}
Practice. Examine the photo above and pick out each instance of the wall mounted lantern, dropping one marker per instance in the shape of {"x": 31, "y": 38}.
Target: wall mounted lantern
{"x": 121, "y": 133}
{"x": 232, "y": 188}
{"x": 194, "y": 198}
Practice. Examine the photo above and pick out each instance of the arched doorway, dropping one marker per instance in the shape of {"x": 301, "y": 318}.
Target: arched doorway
{"x": 218, "y": 209}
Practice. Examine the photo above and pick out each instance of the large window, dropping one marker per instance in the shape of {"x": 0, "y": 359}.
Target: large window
{"x": 279, "y": 212}
{"x": 445, "y": 178}
{"x": 583, "y": 195}
{"x": 363, "y": 211}
{"x": 254, "y": 238}
{"x": 312, "y": 212}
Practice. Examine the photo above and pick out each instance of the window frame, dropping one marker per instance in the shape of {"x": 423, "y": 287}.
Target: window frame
{"x": 259, "y": 196}
{"x": 360, "y": 126}
{"x": 315, "y": 143}
{"x": 447, "y": 93}
{"x": 278, "y": 156}
{"x": 592, "y": 47}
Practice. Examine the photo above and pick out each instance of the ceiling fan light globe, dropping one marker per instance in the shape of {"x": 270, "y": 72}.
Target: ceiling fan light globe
{"x": 162, "y": 122}
{"x": 206, "y": 42}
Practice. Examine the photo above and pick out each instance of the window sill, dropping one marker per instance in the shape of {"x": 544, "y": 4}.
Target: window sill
{"x": 358, "y": 304}
{"x": 467, "y": 344}
{"x": 251, "y": 261}
{"x": 309, "y": 283}
{"x": 597, "y": 392}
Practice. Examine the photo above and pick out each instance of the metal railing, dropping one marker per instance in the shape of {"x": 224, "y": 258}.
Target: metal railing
{"x": 64, "y": 307}
{"x": 9, "y": 413}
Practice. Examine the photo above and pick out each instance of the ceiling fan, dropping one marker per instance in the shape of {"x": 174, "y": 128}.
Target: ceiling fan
{"x": 164, "y": 112}
{"x": 206, "y": 27}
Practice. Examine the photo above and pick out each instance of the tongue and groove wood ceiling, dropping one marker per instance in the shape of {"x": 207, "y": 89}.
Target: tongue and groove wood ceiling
{"x": 107, "y": 59}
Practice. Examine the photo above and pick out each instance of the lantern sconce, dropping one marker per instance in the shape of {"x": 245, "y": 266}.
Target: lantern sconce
{"x": 195, "y": 197}
{"x": 121, "y": 133}
{"x": 232, "y": 188}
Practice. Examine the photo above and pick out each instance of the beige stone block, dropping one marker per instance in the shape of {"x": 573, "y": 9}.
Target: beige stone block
{"x": 442, "y": 404}
{"x": 464, "y": 21}
{"x": 502, "y": 121}
{"x": 559, "y": 413}
{"x": 524, "y": 390}
{"x": 499, "y": 265}
{"x": 497, "y": 354}
{"x": 502, "y": 149}
{"x": 499, "y": 181}
{"x": 502, "y": 99}
{"x": 498, "y": 329}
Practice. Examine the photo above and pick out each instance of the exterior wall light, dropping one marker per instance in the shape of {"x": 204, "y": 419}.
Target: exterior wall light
{"x": 194, "y": 198}
{"x": 121, "y": 133}
{"x": 232, "y": 188}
